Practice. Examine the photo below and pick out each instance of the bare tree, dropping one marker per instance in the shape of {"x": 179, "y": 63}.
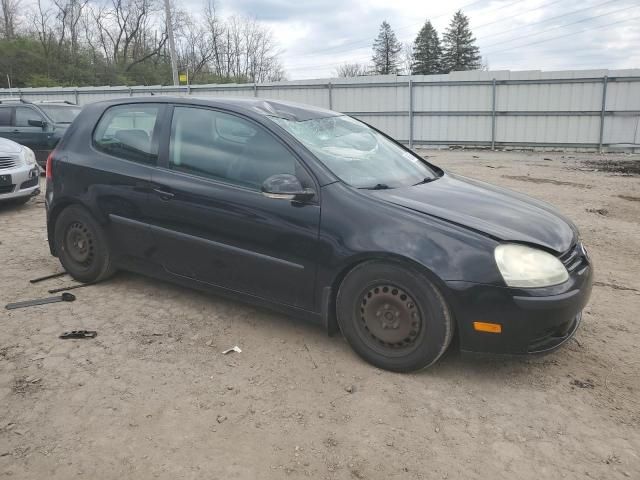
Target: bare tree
{"x": 9, "y": 18}
{"x": 195, "y": 48}
{"x": 352, "y": 70}
{"x": 42, "y": 19}
{"x": 125, "y": 31}
{"x": 406, "y": 59}
{"x": 83, "y": 40}
{"x": 241, "y": 48}
{"x": 69, "y": 13}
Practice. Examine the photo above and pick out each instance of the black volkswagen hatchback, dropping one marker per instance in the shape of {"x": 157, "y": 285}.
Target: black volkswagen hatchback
{"x": 320, "y": 216}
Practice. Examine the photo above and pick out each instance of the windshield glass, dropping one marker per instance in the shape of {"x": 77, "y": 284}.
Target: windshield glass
{"x": 357, "y": 154}
{"x": 61, "y": 113}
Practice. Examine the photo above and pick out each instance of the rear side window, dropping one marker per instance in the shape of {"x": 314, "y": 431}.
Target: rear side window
{"x": 126, "y": 131}
{"x": 5, "y": 116}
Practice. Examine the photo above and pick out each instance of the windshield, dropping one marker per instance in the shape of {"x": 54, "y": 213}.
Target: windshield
{"x": 61, "y": 113}
{"x": 357, "y": 154}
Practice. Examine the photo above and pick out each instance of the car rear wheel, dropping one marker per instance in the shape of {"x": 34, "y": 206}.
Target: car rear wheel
{"x": 82, "y": 246}
{"x": 393, "y": 316}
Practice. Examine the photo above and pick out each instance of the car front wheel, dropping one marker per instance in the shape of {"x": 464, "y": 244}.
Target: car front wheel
{"x": 82, "y": 246}
{"x": 393, "y": 316}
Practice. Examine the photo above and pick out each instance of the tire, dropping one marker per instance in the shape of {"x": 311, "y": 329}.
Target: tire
{"x": 82, "y": 245}
{"x": 393, "y": 316}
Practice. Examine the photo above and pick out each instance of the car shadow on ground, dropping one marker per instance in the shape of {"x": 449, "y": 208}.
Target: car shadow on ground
{"x": 268, "y": 323}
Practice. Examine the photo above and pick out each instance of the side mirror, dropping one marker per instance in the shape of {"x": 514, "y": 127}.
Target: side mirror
{"x": 38, "y": 123}
{"x": 286, "y": 187}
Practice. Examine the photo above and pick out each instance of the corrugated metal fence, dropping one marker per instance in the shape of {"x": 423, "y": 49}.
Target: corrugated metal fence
{"x": 593, "y": 109}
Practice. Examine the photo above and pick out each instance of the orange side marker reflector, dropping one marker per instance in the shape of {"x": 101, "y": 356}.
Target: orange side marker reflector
{"x": 487, "y": 327}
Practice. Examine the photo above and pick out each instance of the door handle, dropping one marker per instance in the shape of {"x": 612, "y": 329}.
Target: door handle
{"x": 164, "y": 195}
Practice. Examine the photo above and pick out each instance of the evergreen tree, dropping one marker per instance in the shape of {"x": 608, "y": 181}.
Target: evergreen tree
{"x": 459, "y": 46}
{"x": 426, "y": 51}
{"x": 386, "y": 51}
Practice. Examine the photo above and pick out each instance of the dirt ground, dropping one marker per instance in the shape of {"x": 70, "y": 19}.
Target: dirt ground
{"x": 153, "y": 397}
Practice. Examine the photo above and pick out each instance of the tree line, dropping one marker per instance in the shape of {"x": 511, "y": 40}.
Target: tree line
{"x": 426, "y": 56}
{"x": 125, "y": 42}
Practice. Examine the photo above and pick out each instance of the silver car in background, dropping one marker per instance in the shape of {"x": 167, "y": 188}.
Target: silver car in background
{"x": 19, "y": 173}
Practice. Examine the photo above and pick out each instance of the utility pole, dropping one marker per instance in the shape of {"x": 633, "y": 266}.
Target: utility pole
{"x": 172, "y": 43}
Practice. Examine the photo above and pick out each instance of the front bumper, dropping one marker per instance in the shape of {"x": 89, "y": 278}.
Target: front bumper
{"x": 25, "y": 181}
{"x": 533, "y": 320}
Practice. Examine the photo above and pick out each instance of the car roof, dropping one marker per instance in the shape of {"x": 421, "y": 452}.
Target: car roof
{"x": 57, "y": 104}
{"x": 275, "y": 108}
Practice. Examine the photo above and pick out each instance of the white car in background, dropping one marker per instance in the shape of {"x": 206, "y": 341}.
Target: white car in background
{"x": 19, "y": 172}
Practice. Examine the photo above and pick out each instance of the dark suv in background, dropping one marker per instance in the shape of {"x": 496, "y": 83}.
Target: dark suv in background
{"x": 37, "y": 125}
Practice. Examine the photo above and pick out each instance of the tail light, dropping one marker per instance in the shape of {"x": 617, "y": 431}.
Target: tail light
{"x": 48, "y": 170}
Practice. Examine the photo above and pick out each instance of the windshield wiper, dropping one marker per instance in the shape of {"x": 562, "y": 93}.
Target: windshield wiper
{"x": 424, "y": 180}
{"x": 377, "y": 186}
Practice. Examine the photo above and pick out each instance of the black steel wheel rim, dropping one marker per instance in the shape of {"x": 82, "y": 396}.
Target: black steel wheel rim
{"x": 79, "y": 244}
{"x": 389, "y": 319}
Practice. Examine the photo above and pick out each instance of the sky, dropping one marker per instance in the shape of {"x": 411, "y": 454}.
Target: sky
{"x": 315, "y": 36}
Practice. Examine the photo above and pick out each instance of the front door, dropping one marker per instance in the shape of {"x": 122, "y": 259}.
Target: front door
{"x": 210, "y": 221}
{"x": 34, "y": 137}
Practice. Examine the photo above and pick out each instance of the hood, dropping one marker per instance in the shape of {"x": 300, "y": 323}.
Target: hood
{"x": 9, "y": 147}
{"x": 494, "y": 211}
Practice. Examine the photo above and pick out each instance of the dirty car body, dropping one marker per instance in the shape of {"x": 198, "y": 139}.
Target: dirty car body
{"x": 203, "y": 217}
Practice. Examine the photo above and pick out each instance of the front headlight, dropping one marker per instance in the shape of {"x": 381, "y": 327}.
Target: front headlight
{"x": 29, "y": 156}
{"x": 526, "y": 267}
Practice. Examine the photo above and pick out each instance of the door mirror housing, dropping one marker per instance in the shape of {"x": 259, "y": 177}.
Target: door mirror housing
{"x": 286, "y": 187}
{"x": 38, "y": 123}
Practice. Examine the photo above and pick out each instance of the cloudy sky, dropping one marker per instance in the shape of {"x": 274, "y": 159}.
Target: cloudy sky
{"x": 316, "y": 35}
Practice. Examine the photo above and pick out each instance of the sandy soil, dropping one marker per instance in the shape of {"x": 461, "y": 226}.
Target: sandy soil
{"x": 153, "y": 397}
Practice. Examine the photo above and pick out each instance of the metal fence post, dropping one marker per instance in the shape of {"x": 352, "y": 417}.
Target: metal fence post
{"x": 493, "y": 114}
{"x": 605, "y": 82}
{"x": 330, "y": 87}
{"x": 75, "y": 92}
{"x": 255, "y": 89}
{"x": 411, "y": 113}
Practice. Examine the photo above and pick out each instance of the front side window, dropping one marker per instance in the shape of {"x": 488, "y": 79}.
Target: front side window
{"x": 24, "y": 114}
{"x": 126, "y": 131}
{"x": 357, "y": 154}
{"x": 224, "y": 147}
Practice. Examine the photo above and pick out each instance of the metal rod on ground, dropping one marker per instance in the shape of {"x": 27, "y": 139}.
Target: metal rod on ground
{"x": 72, "y": 287}
{"x": 605, "y": 81}
{"x": 493, "y": 114}
{"x": 47, "y": 277}
{"x": 172, "y": 43}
